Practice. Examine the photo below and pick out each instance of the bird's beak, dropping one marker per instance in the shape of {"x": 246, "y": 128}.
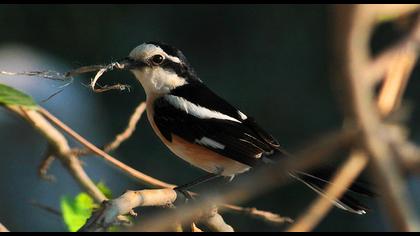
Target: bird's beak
{"x": 129, "y": 63}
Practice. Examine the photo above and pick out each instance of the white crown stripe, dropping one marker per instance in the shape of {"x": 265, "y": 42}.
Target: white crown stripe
{"x": 196, "y": 110}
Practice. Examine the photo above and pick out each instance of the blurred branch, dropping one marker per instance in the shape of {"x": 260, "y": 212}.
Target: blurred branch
{"x": 3, "y": 228}
{"x": 396, "y": 79}
{"x": 194, "y": 228}
{"x": 266, "y": 216}
{"x": 408, "y": 46}
{"x": 353, "y": 29}
{"x": 215, "y": 222}
{"x": 397, "y": 66}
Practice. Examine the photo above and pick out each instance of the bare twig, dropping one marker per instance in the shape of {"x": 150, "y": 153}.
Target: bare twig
{"x": 194, "y": 228}
{"x": 145, "y": 179}
{"x": 47, "y": 208}
{"x": 135, "y": 117}
{"x": 215, "y": 222}
{"x": 121, "y": 137}
{"x": 266, "y": 216}
{"x": 107, "y": 214}
{"x": 406, "y": 47}
{"x": 45, "y": 165}
{"x": 395, "y": 82}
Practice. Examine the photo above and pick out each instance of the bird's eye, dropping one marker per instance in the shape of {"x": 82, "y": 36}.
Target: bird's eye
{"x": 157, "y": 59}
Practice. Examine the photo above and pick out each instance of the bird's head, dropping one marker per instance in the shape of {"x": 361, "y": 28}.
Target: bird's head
{"x": 159, "y": 67}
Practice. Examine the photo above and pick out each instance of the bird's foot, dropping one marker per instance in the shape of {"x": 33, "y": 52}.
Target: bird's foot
{"x": 183, "y": 195}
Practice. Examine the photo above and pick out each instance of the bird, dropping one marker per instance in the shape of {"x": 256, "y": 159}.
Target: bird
{"x": 204, "y": 129}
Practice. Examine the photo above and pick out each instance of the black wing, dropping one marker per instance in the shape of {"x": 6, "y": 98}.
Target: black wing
{"x": 197, "y": 93}
{"x": 242, "y": 141}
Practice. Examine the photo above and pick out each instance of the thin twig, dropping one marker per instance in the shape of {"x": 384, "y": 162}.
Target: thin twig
{"x": 396, "y": 80}
{"x": 45, "y": 165}
{"x": 266, "y": 216}
{"x": 145, "y": 179}
{"x": 121, "y": 137}
{"x": 215, "y": 222}
{"x": 47, "y": 208}
{"x": 135, "y": 117}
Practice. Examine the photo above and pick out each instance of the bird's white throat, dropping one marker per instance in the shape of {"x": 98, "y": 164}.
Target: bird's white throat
{"x": 158, "y": 81}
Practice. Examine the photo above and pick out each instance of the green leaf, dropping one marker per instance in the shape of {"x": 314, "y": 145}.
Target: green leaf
{"x": 104, "y": 189}
{"x": 11, "y": 96}
{"x": 76, "y": 211}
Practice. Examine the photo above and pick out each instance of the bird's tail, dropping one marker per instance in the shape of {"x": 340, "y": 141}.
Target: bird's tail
{"x": 346, "y": 202}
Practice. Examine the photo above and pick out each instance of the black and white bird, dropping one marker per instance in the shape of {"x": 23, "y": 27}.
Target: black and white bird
{"x": 202, "y": 128}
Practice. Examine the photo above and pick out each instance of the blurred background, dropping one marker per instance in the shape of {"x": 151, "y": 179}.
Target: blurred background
{"x": 271, "y": 61}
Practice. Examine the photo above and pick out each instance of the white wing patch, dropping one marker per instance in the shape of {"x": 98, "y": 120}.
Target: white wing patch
{"x": 196, "y": 110}
{"x": 210, "y": 143}
{"x": 242, "y": 115}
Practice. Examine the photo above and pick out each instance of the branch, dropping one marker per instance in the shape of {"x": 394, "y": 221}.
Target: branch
{"x": 353, "y": 29}
{"x": 389, "y": 98}
{"x": 107, "y": 214}
{"x": 46, "y": 163}
{"x": 266, "y": 216}
{"x": 215, "y": 222}
{"x": 61, "y": 148}
{"x": 145, "y": 179}
{"x": 123, "y": 136}
{"x": 135, "y": 117}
